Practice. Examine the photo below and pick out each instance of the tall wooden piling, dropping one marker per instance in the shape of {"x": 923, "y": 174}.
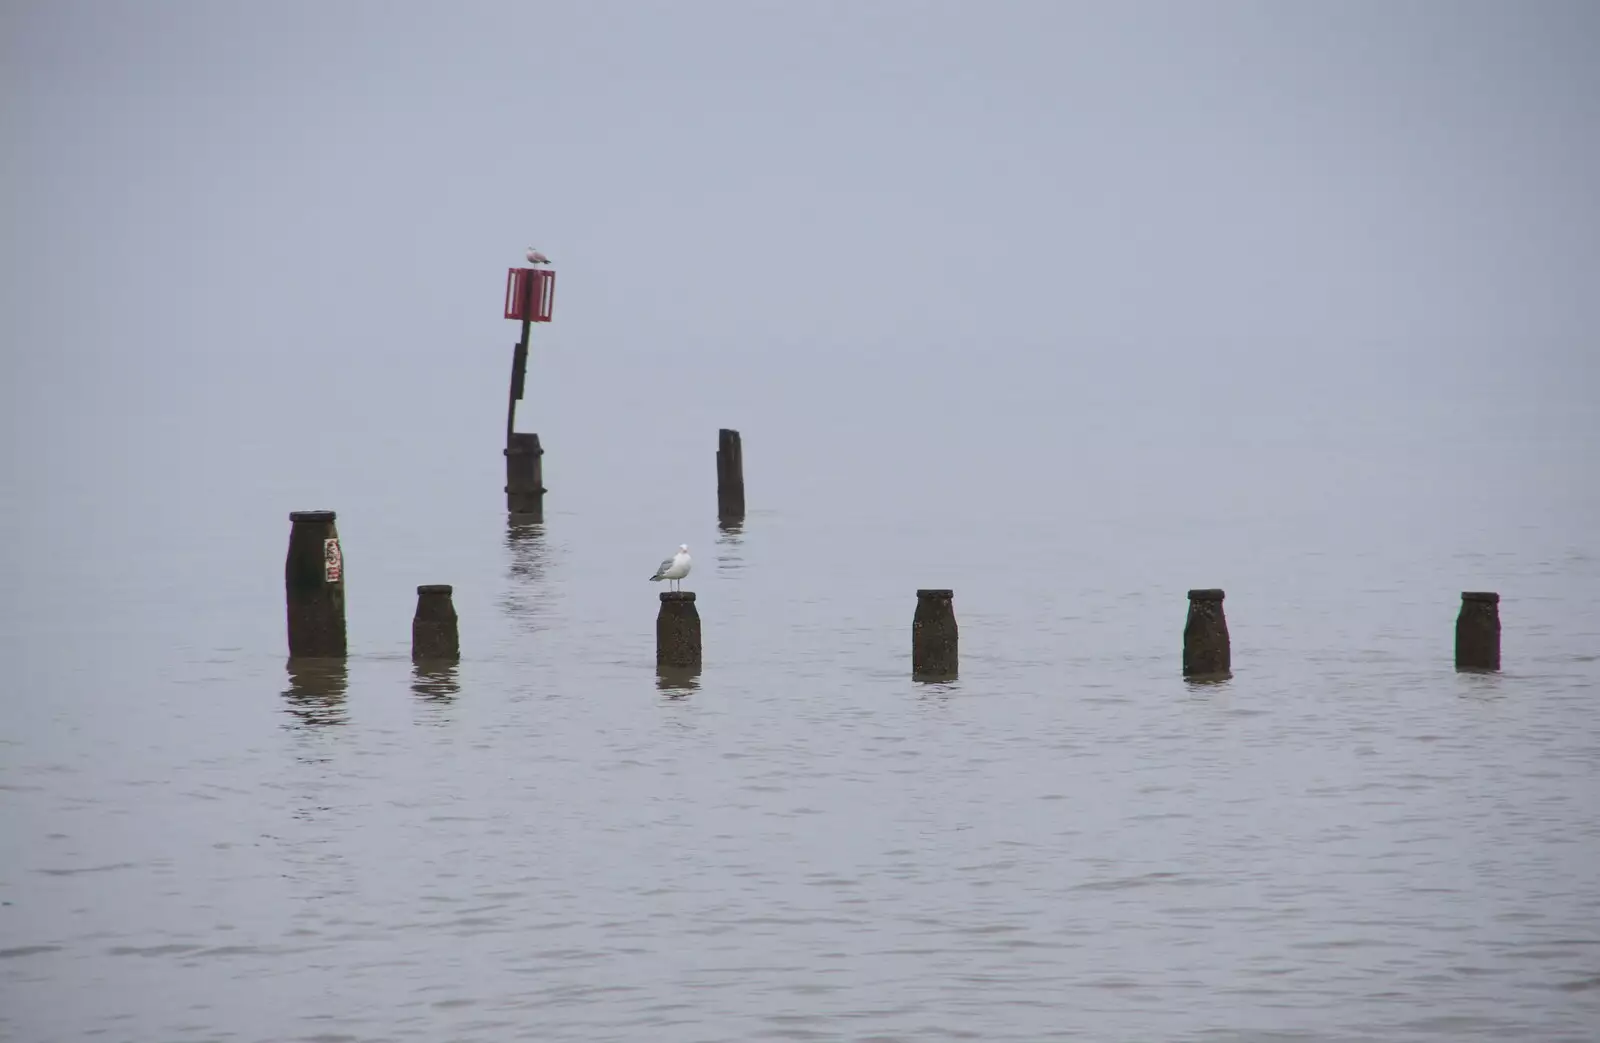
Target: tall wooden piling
{"x": 313, "y": 582}
{"x": 525, "y": 477}
{"x": 1206, "y": 652}
{"x": 730, "y": 476}
{"x": 934, "y": 637}
{"x": 434, "y": 632}
{"x": 530, "y": 296}
{"x": 1478, "y": 631}
{"x": 678, "y": 632}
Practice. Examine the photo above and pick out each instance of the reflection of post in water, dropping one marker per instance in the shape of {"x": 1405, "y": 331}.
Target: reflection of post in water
{"x": 730, "y": 545}
{"x": 676, "y": 682}
{"x": 435, "y": 680}
{"x": 528, "y": 556}
{"x": 525, "y": 541}
{"x": 316, "y": 690}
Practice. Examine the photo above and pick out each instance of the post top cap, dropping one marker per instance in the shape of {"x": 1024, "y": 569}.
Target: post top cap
{"x": 311, "y": 516}
{"x": 1479, "y": 595}
{"x": 936, "y": 593}
{"x": 435, "y": 588}
{"x": 677, "y": 595}
{"x": 1206, "y": 594}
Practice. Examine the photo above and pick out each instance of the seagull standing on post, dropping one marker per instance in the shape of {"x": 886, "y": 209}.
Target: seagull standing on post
{"x": 675, "y": 567}
{"x": 535, "y": 257}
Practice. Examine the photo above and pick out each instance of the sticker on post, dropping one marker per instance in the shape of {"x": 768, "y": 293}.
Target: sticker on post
{"x": 332, "y": 560}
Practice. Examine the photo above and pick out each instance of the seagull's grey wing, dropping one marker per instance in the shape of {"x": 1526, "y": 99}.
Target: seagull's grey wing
{"x": 661, "y": 570}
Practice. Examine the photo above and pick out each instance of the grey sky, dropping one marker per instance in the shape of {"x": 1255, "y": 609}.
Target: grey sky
{"x": 231, "y": 214}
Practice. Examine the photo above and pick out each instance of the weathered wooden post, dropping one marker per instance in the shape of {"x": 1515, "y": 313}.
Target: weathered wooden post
{"x": 434, "y": 634}
{"x": 730, "y": 477}
{"x": 525, "y": 477}
{"x": 1478, "y": 631}
{"x": 313, "y": 582}
{"x": 934, "y": 637}
{"x": 1206, "y": 652}
{"x": 678, "y": 632}
{"x": 530, "y": 296}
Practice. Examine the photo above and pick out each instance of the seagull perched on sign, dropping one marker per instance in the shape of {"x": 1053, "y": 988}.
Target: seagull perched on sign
{"x": 675, "y": 567}
{"x": 535, "y": 257}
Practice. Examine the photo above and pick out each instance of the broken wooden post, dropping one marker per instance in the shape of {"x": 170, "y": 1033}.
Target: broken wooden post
{"x": 1206, "y": 653}
{"x": 313, "y": 582}
{"x": 730, "y": 476}
{"x": 434, "y": 634}
{"x": 1478, "y": 631}
{"x": 678, "y": 632}
{"x": 934, "y": 637}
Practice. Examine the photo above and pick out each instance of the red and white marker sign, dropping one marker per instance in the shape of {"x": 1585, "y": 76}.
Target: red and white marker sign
{"x": 332, "y": 560}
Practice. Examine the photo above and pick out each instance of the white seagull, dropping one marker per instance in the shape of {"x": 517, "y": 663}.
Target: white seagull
{"x": 675, "y": 567}
{"x": 535, "y": 257}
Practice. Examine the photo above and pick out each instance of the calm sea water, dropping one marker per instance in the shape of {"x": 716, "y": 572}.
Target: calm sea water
{"x": 1348, "y": 841}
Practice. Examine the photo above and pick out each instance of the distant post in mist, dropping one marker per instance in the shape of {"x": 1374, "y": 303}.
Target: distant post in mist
{"x": 730, "y": 476}
{"x": 313, "y": 583}
{"x": 1478, "y": 631}
{"x": 1206, "y": 653}
{"x": 530, "y": 297}
{"x": 434, "y": 632}
{"x": 934, "y": 637}
{"x": 678, "y": 632}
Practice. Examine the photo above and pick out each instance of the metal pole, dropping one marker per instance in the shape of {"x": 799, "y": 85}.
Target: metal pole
{"x": 519, "y": 376}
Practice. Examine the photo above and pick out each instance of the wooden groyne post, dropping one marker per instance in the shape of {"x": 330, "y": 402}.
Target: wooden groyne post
{"x": 313, "y": 586}
{"x": 678, "y": 632}
{"x": 1206, "y": 652}
{"x": 934, "y": 637}
{"x": 435, "y": 634}
{"x": 1478, "y": 631}
{"x": 730, "y": 477}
